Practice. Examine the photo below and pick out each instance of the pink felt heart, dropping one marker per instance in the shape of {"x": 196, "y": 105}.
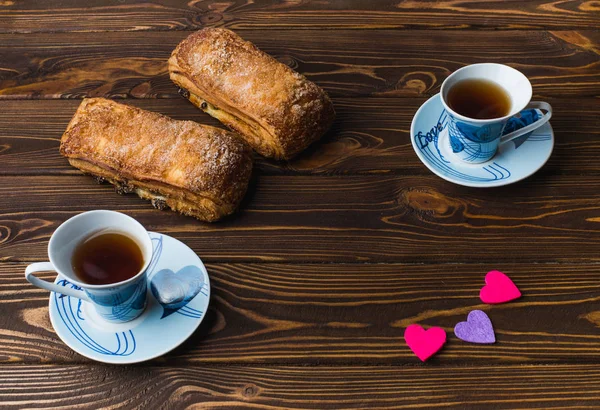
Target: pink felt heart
{"x": 498, "y": 289}
{"x": 424, "y": 343}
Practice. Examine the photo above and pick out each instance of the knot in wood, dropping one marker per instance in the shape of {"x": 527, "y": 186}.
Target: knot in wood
{"x": 249, "y": 390}
{"x": 4, "y": 233}
{"x": 417, "y": 82}
{"x": 141, "y": 90}
{"x": 211, "y": 17}
{"x": 289, "y": 61}
{"x": 430, "y": 202}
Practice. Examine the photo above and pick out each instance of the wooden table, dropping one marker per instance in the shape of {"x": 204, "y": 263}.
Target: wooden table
{"x": 335, "y": 253}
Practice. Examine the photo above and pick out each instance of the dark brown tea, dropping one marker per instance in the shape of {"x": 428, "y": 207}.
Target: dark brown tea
{"x": 107, "y": 258}
{"x": 478, "y": 98}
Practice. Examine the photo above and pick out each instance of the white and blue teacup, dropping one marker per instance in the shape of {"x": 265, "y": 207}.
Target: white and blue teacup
{"x": 475, "y": 140}
{"x": 115, "y": 302}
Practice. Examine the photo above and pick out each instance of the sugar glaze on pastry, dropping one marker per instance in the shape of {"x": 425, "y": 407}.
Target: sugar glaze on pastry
{"x": 278, "y": 111}
{"x": 194, "y": 169}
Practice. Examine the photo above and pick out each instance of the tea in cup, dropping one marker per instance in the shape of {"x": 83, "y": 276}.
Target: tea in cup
{"x": 480, "y": 99}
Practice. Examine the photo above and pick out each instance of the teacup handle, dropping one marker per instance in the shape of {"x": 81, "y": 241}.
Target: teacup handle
{"x": 40, "y": 283}
{"x": 534, "y": 125}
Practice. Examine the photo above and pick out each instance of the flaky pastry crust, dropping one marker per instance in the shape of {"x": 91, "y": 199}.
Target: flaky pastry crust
{"x": 278, "y": 111}
{"x": 194, "y": 169}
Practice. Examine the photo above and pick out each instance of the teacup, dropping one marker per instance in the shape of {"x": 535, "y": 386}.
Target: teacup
{"x": 115, "y": 302}
{"x": 477, "y": 140}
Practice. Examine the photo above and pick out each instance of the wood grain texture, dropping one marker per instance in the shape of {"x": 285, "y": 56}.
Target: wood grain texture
{"x": 26, "y": 16}
{"x": 335, "y": 253}
{"x": 337, "y": 219}
{"x": 370, "y": 135}
{"x": 344, "y": 62}
{"x": 289, "y": 387}
{"x": 348, "y": 314}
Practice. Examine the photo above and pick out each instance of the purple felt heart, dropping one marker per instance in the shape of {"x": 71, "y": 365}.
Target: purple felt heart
{"x": 477, "y": 329}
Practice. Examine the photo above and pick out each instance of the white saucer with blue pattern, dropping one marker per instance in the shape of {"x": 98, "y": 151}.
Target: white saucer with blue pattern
{"x": 178, "y": 296}
{"x": 514, "y": 161}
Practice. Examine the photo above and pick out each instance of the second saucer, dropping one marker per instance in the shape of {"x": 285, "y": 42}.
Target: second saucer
{"x": 513, "y": 162}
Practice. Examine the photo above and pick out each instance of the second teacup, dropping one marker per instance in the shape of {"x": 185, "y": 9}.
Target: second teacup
{"x": 476, "y": 140}
{"x": 119, "y": 301}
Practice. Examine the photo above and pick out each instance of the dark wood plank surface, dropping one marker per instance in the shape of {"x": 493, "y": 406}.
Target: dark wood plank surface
{"x": 338, "y": 219}
{"x": 386, "y": 63}
{"x": 289, "y": 387}
{"x": 348, "y": 314}
{"x": 333, "y": 254}
{"x": 26, "y": 16}
{"x": 369, "y": 136}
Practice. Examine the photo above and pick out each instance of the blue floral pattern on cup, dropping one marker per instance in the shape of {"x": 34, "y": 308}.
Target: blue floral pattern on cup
{"x": 519, "y": 121}
{"x": 479, "y": 143}
{"x": 429, "y": 146}
{"x": 120, "y": 304}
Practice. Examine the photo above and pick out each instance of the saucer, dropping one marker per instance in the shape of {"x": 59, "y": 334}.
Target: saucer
{"x": 514, "y": 161}
{"x": 175, "y": 274}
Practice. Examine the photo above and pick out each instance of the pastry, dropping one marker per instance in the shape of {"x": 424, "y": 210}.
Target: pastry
{"x": 278, "y": 111}
{"x": 194, "y": 169}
